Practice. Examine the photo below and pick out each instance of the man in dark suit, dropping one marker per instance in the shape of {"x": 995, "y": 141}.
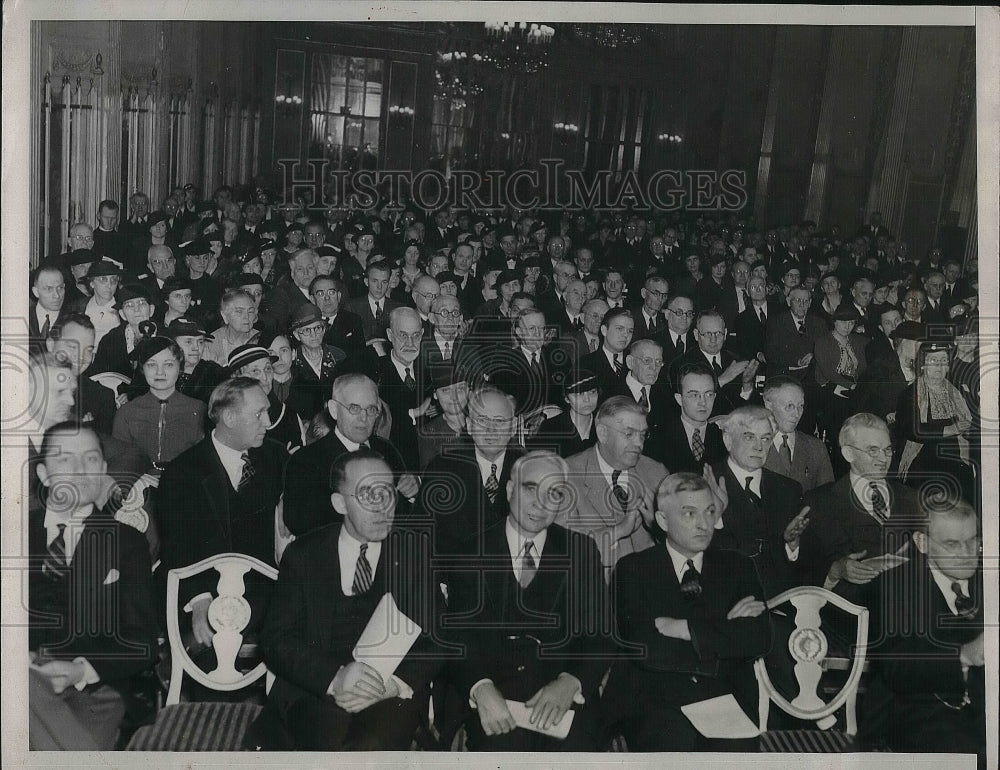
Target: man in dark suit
{"x": 221, "y": 495}
{"x": 881, "y": 345}
{"x": 927, "y": 691}
{"x": 162, "y": 264}
{"x": 91, "y": 592}
{"x": 290, "y": 293}
{"x": 48, "y": 288}
{"x": 374, "y": 307}
{"x": 343, "y": 328}
{"x": 679, "y": 337}
{"x": 443, "y": 343}
{"x": 691, "y": 619}
{"x": 462, "y": 491}
{"x": 323, "y": 696}
{"x": 72, "y": 340}
{"x": 734, "y": 377}
{"x": 534, "y": 371}
{"x": 751, "y": 324}
{"x": 608, "y": 362}
{"x": 650, "y": 320}
{"x": 735, "y": 298}
{"x": 956, "y": 288}
{"x": 794, "y": 454}
{"x": 792, "y": 335}
{"x": 532, "y": 614}
{"x": 568, "y": 318}
{"x": 354, "y": 407}
{"x": 760, "y": 519}
{"x": 860, "y": 516}
{"x": 688, "y": 441}
{"x": 936, "y": 312}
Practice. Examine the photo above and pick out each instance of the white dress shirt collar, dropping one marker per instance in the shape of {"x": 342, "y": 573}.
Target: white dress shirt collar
{"x": 232, "y": 460}
{"x": 635, "y": 387}
{"x": 484, "y": 466}
{"x": 348, "y": 551}
{"x": 350, "y": 446}
{"x": 679, "y": 561}
{"x": 741, "y": 476}
{"x": 862, "y": 490}
{"x": 74, "y": 523}
{"x": 944, "y": 583}
{"x": 516, "y": 542}
{"x": 778, "y": 440}
{"x": 401, "y": 367}
{"x": 607, "y": 471}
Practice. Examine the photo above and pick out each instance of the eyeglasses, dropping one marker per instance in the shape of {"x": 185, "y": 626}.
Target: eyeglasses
{"x": 411, "y": 338}
{"x": 324, "y": 293}
{"x": 430, "y": 295}
{"x": 631, "y": 434}
{"x": 491, "y": 423}
{"x": 874, "y": 451}
{"x": 682, "y": 313}
{"x": 648, "y": 361}
{"x": 449, "y": 313}
{"x": 715, "y": 335}
{"x": 375, "y": 494}
{"x": 658, "y": 294}
{"x": 357, "y": 409}
{"x": 312, "y": 331}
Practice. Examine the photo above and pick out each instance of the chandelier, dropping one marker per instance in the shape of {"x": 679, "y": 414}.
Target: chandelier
{"x": 609, "y": 35}
{"x": 517, "y": 46}
{"x": 457, "y": 76}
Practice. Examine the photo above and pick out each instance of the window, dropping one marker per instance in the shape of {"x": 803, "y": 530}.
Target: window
{"x": 615, "y": 124}
{"x": 345, "y": 109}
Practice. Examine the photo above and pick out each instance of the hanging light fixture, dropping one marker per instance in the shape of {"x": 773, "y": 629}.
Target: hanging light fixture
{"x": 518, "y": 46}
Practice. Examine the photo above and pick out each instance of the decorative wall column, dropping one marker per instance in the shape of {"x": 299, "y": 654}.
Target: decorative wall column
{"x": 887, "y": 180}
{"x": 820, "y": 175}
{"x": 767, "y": 133}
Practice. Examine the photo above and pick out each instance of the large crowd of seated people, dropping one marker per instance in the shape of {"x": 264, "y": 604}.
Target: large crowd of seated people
{"x": 580, "y": 450}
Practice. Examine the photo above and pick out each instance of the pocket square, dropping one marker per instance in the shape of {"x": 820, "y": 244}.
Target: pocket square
{"x": 112, "y": 577}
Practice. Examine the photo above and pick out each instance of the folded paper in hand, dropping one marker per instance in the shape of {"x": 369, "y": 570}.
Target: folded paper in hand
{"x": 386, "y": 639}
{"x": 720, "y": 717}
{"x": 885, "y": 562}
{"x": 522, "y": 718}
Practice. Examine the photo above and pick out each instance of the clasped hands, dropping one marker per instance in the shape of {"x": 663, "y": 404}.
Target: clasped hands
{"x": 357, "y": 686}
{"x": 548, "y": 705}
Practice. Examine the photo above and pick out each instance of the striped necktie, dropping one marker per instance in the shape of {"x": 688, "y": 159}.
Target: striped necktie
{"x": 528, "y": 566}
{"x": 492, "y": 483}
{"x": 248, "y": 473}
{"x": 362, "y": 573}
{"x": 54, "y": 566}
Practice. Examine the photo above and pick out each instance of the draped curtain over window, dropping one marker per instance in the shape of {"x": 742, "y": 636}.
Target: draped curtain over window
{"x": 614, "y": 128}
{"x": 345, "y": 110}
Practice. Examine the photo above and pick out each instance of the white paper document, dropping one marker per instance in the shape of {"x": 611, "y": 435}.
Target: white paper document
{"x": 885, "y": 562}
{"x": 386, "y": 639}
{"x": 720, "y": 717}
{"x": 522, "y": 718}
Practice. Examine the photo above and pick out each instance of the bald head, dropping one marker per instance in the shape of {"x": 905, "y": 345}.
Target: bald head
{"x": 161, "y": 261}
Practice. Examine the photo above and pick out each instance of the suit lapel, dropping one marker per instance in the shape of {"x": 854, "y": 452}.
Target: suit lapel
{"x": 598, "y": 487}
{"x": 215, "y": 483}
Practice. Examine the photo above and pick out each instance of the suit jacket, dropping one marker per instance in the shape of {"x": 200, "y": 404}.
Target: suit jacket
{"x": 347, "y": 333}
{"x": 608, "y": 380}
{"x": 401, "y": 399}
{"x": 784, "y": 346}
{"x": 675, "y": 451}
{"x": 564, "y": 609}
{"x": 642, "y": 330}
{"x": 372, "y": 329}
{"x": 309, "y": 393}
{"x": 559, "y": 435}
{"x": 727, "y": 396}
{"x": 454, "y": 502}
{"x": 751, "y": 334}
{"x": 760, "y": 533}
{"x": 911, "y": 673}
{"x": 278, "y": 305}
{"x": 509, "y": 369}
{"x": 879, "y": 347}
{"x": 196, "y": 515}
{"x": 840, "y": 525}
{"x": 97, "y": 402}
{"x": 657, "y": 670}
{"x": 112, "y": 354}
{"x": 729, "y": 307}
{"x": 307, "y": 481}
{"x": 311, "y": 627}
{"x": 597, "y": 510}
{"x": 810, "y": 462}
{"x": 671, "y": 351}
{"x": 36, "y": 342}
{"x": 881, "y": 387}
{"x": 103, "y": 609}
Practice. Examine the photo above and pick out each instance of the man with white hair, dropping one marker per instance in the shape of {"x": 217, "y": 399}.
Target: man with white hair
{"x": 794, "y": 454}
{"x": 862, "y": 515}
{"x": 760, "y": 519}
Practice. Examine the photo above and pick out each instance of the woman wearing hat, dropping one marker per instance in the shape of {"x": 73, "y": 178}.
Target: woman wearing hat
{"x": 292, "y": 239}
{"x": 315, "y": 365}
{"x": 114, "y": 352}
{"x": 574, "y": 430}
{"x": 839, "y": 358}
{"x": 198, "y": 376}
{"x": 256, "y": 362}
{"x": 103, "y": 278}
{"x": 161, "y": 422}
{"x": 831, "y": 298}
{"x": 176, "y": 293}
{"x": 413, "y": 261}
{"x": 933, "y": 427}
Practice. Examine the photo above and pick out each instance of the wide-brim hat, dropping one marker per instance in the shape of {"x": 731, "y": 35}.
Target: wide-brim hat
{"x": 247, "y": 354}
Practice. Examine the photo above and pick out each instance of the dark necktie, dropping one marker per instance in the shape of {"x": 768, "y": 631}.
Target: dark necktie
{"x": 535, "y": 365}
{"x": 680, "y": 346}
{"x": 691, "y": 581}
{"x": 378, "y": 312}
{"x": 786, "y": 450}
{"x": 362, "y": 573}
{"x": 46, "y": 326}
{"x": 643, "y": 399}
{"x": 754, "y": 497}
{"x": 697, "y": 445}
{"x": 54, "y": 566}
{"x": 963, "y": 603}
{"x": 716, "y": 367}
{"x": 577, "y": 323}
{"x": 409, "y": 381}
{"x": 620, "y": 493}
{"x": 248, "y": 473}
{"x": 492, "y": 483}
{"x": 879, "y": 508}
{"x": 801, "y": 327}
{"x": 619, "y": 364}
{"x": 528, "y": 566}
{"x": 652, "y": 323}
{"x": 760, "y": 312}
